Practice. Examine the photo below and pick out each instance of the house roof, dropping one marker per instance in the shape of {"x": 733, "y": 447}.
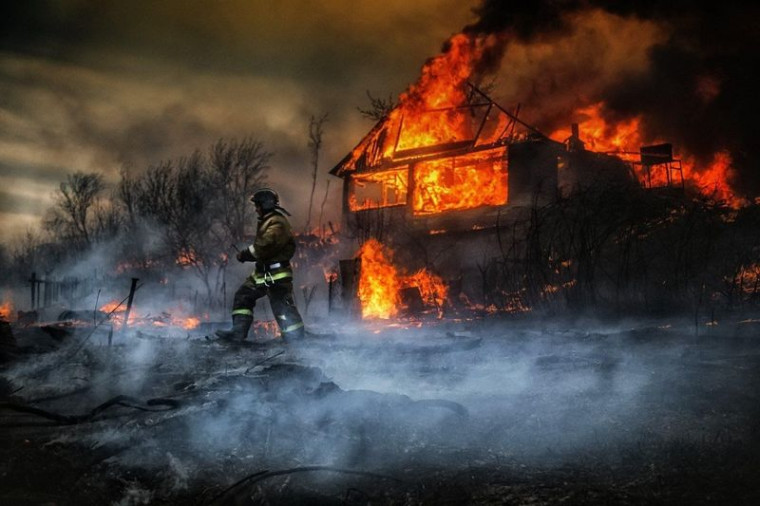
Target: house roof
{"x": 482, "y": 124}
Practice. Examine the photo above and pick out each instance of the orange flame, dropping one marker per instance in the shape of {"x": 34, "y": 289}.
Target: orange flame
{"x": 432, "y": 288}
{"x": 464, "y": 182}
{"x": 117, "y": 311}
{"x": 189, "y": 323}
{"x": 186, "y": 258}
{"x": 624, "y": 138}
{"x": 6, "y": 311}
{"x": 113, "y": 306}
{"x": 599, "y": 135}
{"x": 426, "y": 110}
{"x": 331, "y": 276}
{"x": 748, "y": 279}
{"x": 714, "y": 181}
{"x": 379, "y": 189}
{"x": 380, "y": 282}
{"x": 436, "y": 116}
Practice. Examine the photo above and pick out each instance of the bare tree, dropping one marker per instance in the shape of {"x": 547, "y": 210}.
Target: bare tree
{"x": 315, "y": 145}
{"x": 125, "y": 194}
{"x": 70, "y": 219}
{"x": 174, "y": 198}
{"x": 107, "y": 220}
{"x": 322, "y": 207}
{"x": 378, "y": 107}
{"x": 155, "y": 194}
{"x": 236, "y": 169}
{"x": 199, "y": 205}
{"x": 31, "y": 252}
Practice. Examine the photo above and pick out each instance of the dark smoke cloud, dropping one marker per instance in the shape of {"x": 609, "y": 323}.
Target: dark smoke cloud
{"x": 698, "y": 93}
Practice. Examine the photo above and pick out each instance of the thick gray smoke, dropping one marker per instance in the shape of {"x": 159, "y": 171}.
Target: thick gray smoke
{"x": 692, "y": 89}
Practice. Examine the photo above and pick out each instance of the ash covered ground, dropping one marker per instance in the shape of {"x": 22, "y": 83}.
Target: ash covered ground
{"x": 503, "y": 410}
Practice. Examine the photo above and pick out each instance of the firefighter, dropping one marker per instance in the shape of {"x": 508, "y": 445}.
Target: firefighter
{"x": 271, "y": 250}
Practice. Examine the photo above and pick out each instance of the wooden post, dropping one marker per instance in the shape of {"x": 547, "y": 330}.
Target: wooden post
{"x": 129, "y": 301}
{"x": 33, "y": 281}
{"x": 47, "y": 298}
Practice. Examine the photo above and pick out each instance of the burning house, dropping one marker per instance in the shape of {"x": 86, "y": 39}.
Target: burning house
{"x": 441, "y": 183}
{"x": 446, "y": 181}
{"x": 454, "y": 159}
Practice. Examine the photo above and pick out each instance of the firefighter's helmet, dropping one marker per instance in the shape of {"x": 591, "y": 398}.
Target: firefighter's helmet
{"x": 267, "y": 198}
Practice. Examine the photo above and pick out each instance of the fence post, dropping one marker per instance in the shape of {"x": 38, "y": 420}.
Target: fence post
{"x": 132, "y": 289}
{"x": 33, "y": 281}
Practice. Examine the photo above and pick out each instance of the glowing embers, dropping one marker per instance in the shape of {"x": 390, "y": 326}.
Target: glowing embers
{"x": 747, "y": 280}
{"x": 178, "y": 317}
{"x": 378, "y": 189}
{"x": 380, "y": 284}
{"x": 461, "y": 182}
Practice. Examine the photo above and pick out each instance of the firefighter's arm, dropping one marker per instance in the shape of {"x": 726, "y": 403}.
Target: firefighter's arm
{"x": 247, "y": 255}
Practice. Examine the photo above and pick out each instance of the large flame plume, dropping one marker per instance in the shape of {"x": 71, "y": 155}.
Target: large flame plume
{"x": 380, "y": 283}
{"x": 623, "y": 138}
{"x": 630, "y": 75}
{"x": 427, "y": 110}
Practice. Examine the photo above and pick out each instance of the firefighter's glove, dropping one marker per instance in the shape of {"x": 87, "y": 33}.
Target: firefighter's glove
{"x": 246, "y": 255}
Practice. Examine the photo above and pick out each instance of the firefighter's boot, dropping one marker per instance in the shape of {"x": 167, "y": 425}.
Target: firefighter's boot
{"x": 294, "y": 335}
{"x": 241, "y": 323}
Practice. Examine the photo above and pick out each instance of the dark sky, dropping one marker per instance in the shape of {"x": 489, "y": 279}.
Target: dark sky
{"x": 98, "y": 85}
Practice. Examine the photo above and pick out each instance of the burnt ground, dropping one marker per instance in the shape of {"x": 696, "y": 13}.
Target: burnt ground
{"x": 498, "y": 411}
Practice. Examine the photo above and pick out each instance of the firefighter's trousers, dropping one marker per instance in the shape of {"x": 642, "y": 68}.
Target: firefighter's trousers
{"x": 281, "y": 299}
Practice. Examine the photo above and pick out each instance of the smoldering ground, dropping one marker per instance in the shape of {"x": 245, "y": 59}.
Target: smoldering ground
{"x": 376, "y": 413}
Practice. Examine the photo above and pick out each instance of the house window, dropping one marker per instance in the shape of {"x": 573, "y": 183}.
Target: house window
{"x": 460, "y": 182}
{"x": 378, "y": 189}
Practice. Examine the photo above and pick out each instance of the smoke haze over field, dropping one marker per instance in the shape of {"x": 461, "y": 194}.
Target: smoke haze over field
{"x": 548, "y": 396}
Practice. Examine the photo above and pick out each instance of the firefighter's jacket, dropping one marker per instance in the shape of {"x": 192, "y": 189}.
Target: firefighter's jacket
{"x": 272, "y": 249}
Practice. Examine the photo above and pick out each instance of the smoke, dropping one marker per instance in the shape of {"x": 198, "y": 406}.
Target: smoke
{"x": 438, "y": 397}
{"x": 680, "y": 67}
